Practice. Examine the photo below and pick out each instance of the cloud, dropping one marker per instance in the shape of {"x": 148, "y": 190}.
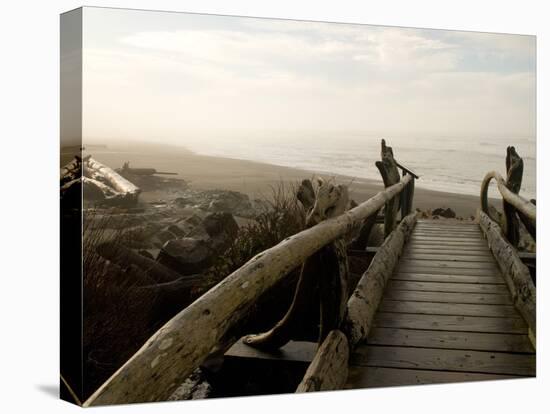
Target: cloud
{"x": 296, "y": 75}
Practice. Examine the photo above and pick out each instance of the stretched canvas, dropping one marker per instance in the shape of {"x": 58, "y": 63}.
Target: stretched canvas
{"x": 257, "y": 206}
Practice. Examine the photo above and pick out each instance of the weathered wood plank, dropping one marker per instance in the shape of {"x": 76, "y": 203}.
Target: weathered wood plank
{"x": 515, "y": 273}
{"x": 449, "y": 297}
{"x": 364, "y": 301}
{"x": 474, "y": 241}
{"x": 451, "y": 340}
{"x": 295, "y": 351}
{"x": 447, "y": 287}
{"x": 447, "y": 246}
{"x": 329, "y": 368}
{"x": 438, "y": 277}
{"x": 458, "y": 309}
{"x": 373, "y": 377}
{"x": 406, "y": 268}
{"x": 454, "y": 234}
{"x": 510, "y": 325}
{"x": 442, "y": 251}
{"x": 447, "y": 257}
{"x": 448, "y": 264}
{"x": 445, "y": 359}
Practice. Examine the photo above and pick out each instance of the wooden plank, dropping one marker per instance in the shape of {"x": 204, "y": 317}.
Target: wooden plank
{"x": 442, "y": 251}
{"x": 445, "y": 222}
{"x": 474, "y": 241}
{"x": 476, "y": 341}
{"x": 444, "y": 278}
{"x": 445, "y": 360}
{"x": 432, "y": 229}
{"x": 422, "y": 226}
{"x": 373, "y": 377}
{"x": 448, "y": 264}
{"x": 448, "y": 257}
{"x": 296, "y": 351}
{"x": 443, "y": 233}
{"x": 512, "y": 325}
{"x": 447, "y": 287}
{"x": 458, "y": 309}
{"x": 406, "y": 268}
{"x": 449, "y": 244}
{"x": 449, "y": 297}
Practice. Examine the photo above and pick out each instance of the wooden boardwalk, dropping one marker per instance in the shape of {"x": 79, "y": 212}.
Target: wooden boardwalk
{"x": 446, "y": 316}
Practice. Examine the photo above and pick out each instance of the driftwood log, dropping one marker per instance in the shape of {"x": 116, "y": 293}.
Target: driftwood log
{"x": 326, "y": 270}
{"x": 390, "y": 175}
{"x": 365, "y": 299}
{"x": 125, "y": 191}
{"x": 329, "y": 368}
{"x": 184, "y": 342}
{"x": 514, "y": 271}
{"x": 511, "y": 200}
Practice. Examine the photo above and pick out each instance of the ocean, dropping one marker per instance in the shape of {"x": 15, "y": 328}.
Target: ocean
{"x": 452, "y": 164}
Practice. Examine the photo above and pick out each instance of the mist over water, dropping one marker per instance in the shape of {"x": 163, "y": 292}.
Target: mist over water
{"x": 455, "y": 165}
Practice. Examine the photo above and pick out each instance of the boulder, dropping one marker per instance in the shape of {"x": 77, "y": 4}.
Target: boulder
{"x": 222, "y": 229}
{"x": 447, "y": 213}
{"x": 187, "y": 255}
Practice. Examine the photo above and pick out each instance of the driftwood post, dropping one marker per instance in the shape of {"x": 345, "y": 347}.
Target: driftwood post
{"x": 327, "y": 269}
{"x": 514, "y": 175}
{"x": 390, "y": 176}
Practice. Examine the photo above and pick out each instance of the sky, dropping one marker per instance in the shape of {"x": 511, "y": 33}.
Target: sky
{"x": 158, "y": 75}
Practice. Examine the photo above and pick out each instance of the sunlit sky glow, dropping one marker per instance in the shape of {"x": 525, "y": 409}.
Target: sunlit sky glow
{"x": 153, "y": 75}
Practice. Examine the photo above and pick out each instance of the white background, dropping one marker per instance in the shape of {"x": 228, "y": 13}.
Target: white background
{"x": 29, "y": 130}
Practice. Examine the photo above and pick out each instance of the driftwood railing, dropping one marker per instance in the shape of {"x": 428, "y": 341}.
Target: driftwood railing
{"x": 184, "y": 342}
{"x": 503, "y": 234}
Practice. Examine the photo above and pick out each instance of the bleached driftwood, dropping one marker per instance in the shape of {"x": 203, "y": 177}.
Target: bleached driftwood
{"x": 329, "y": 368}
{"x": 515, "y": 273}
{"x": 390, "y": 175}
{"x": 124, "y": 189}
{"x": 326, "y": 269}
{"x": 365, "y": 299}
{"x": 512, "y": 202}
{"x": 514, "y": 176}
{"x": 185, "y": 341}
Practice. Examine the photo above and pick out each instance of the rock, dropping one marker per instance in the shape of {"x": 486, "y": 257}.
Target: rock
{"x": 146, "y": 253}
{"x": 222, "y": 229}
{"x": 447, "y": 213}
{"x": 176, "y": 230}
{"x": 163, "y": 236}
{"x": 186, "y": 255}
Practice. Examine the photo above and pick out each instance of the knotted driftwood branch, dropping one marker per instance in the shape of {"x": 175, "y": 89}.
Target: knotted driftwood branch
{"x": 512, "y": 202}
{"x": 327, "y": 270}
{"x": 390, "y": 176}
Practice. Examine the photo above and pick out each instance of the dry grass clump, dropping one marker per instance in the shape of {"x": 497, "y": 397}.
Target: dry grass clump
{"x": 281, "y": 217}
{"x": 116, "y": 314}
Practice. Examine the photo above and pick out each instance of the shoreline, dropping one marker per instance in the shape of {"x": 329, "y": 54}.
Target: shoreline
{"x": 256, "y": 179}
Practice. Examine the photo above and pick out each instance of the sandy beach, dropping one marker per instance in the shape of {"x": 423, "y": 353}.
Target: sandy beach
{"x": 256, "y": 179}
